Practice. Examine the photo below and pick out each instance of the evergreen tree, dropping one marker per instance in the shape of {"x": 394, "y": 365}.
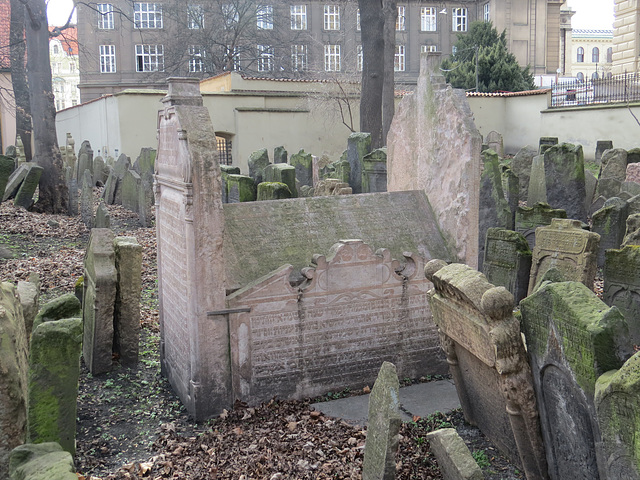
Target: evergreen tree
{"x": 497, "y": 68}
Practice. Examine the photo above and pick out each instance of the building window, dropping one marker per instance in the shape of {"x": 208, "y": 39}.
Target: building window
{"x": 580, "y": 77}
{"x": 399, "y": 60}
{"x": 107, "y": 59}
{"x": 195, "y": 17}
{"x": 594, "y": 76}
{"x": 595, "y": 55}
{"x": 230, "y": 15}
{"x": 459, "y": 19}
{"x": 428, "y": 19}
{"x": 56, "y": 50}
{"x": 265, "y": 58}
{"x": 224, "y": 150}
{"x": 147, "y": 15}
{"x": 400, "y": 20}
{"x": 428, "y": 48}
{"x": 358, "y": 20}
{"x": 196, "y": 59}
{"x": 299, "y": 58}
{"x": 609, "y": 55}
{"x": 264, "y": 16}
{"x": 580, "y": 57}
{"x": 232, "y": 58}
{"x": 454, "y": 49}
{"x": 298, "y": 17}
{"x": 331, "y": 17}
{"x": 332, "y": 58}
{"x": 105, "y": 16}
{"x": 359, "y": 58}
{"x": 486, "y": 12}
{"x": 149, "y": 58}
{"x": 72, "y": 67}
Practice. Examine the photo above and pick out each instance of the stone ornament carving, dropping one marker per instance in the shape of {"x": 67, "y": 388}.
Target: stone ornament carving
{"x": 484, "y": 349}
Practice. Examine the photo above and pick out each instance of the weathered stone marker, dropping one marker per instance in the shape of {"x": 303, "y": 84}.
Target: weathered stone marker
{"x": 507, "y": 261}
{"x": 454, "y": 458}
{"x": 528, "y": 219}
{"x": 41, "y": 461}
{"x": 622, "y": 285}
{"x": 564, "y": 179}
{"x": 610, "y": 223}
{"x": 383, "y": 426}
{"x": 358, "y": 145}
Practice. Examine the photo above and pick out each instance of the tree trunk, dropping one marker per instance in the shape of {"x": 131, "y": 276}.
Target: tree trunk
{"x": 19, "y": 77}
{"x": 388, "y": 88}
{"x": 372, "y": 24}
{"x": 53, "y": 193}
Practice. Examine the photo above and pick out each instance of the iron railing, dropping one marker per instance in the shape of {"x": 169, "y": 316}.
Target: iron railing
{"x": 615, "y": 89}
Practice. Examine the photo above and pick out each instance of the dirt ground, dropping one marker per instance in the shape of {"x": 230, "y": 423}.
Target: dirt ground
{"x": 131, "y": 425}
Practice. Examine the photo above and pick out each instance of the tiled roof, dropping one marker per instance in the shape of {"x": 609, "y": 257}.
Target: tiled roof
{"x": 581, "y": 32}
{"x": 68, "y": 37}
{"x": 540, "y": 91}
{"x": 5, "y": 21}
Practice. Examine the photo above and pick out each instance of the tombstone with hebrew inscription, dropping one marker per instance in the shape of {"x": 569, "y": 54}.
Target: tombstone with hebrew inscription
{"x": 507, "y": 261}
{"x": 564, "y": 245}
{"x": 486, "y": 356}
{"x": 622, "y": 285}
{"x": 572, "y": 338}
{"x": 538, "y": 215}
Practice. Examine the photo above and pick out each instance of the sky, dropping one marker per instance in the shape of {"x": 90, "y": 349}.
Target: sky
{"x": 593, "y": 14}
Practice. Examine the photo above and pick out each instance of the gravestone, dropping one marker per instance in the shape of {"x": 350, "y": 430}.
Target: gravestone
{"x": 64, "y": 306}
{"x": 528, "y": 219}
{"x": 564, "y": 179}
{"x": 632, "y": 188}
{"x": 146, "y": 201}
{"x": 103, "y": 219}
{"x": 226, "y": 170}
{"x": 374, "y": 171}
{"x": 590, "y": 186}
{"x": 24, "y": 195}
{"x": 29, "y": 294}
{"x": 258, "y": 161}
{"x": 72, "y": 206}
{"x": 7, "y": 165}
{"x": 597, "y": 204}
{"x": 20, "y": 156}
{"x": 282, "y": 173}
{"x": 99, "y": 174}
{"x": 279, "y": 155}
{"x": 613, "y": 172}
{"x": 13, "y": 381}
{"x": 120, "y": 169}
{"x": 566, "y": 246}
{"x": 617, "y": 402}
{"x": 303, "y": 163}
{"x": 358, "y": 145}
{"x": 85, "y": 159}
{"x": 632, "y": 235}
{"x": 454, "y": 458}
{"x": 126, "y": 320}
{"x": 511, "y": 187}
{"x": 131, "y": 185}
{"x": 11, "y": 151}
{"x": 494, "y": 142}
{"x": 490, "y": 369}
{"x": 339, "y": 170}
{"x": 383, "y": 428}
{"x": 98, "y": 299}
{"x": 332, "y": 186}
{"x": 240, "y": 188}
{"x": 601, "y": 147}
{"x": 16, "y": 179}
{"x": 546, "y": 142}
{"x": 86, "y": 199}
{"x": 633, "y": 155}
{"x": 494, "y": 209}
{"x": 54, "y": 369}
{"x": 507, "y": 261}
{"x": 610, "y": 223}
{"x": 622, "y": 285}
{"x": 633, "y": 205}
{"x": 537, "y": 182}
{"x": 42, "y": 461}
{"x": 521, "y": 166}
{"x": 572, "y": 338}
{"x": 145, "y": 162}
{"x": 273, "y": 191}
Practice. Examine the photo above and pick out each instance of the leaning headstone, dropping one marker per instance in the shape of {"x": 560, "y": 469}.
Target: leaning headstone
{"x": 537, "y": 182}
{"x": 521, "y": 166}
{"x": 622, "y": 285}
{"x": 126, "y": 334}
{"x": 24, "y": 195}
{"x": 564, "y": 178}
{"x": 613, "y": 172}
{"x": 454, "y": 458}
{"x": 632, "y": 235}
{"x": 86, "y": 199}
{"x": 273, "y": 191}
{"x": 374, "y": 171}
{"x": 131, "y": 185}
{"x": 54, "y": 369}
{"x": 279, "y": 155}
{"x": 572, "y": 338}
{"x": 85, "y": 159}
{"x": 16, "y": 179}
{"x": 64, "y": 306}
{"x": 99, "y": 293}
{"x": 240, "y": 188}
{"x": 507, "y": 261}
{"x": 494, "y": 142}
{"x": 145, "y": 162}
{"x": 490, "y": 370}
{"x": 566, "y": 246}
{"x": 610, "y": 223}
{"x": 617, "y": 402}
{"x": 42, "y": 461}
{"x": 601, "y": 146}
{"x": 282, "y": 173}
{"x": 7, "y": 165}
{"x": 384, "y": 422}
{"x": 303, "y": 163}
{"x": 109, "y": 192}
{"x": 597, "y": 204}
{"x": 29, "y": 294}
{"x": 358, "y": 145}
{"x": 13, "y": 381}
{"x": 257, "y": 162}
{"x": 546, "y": 142}
{"x": 494, "y": 210}
{"x": 103, "y": 219}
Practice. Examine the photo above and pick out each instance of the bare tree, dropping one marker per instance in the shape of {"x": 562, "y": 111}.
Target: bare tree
{"x": 388, "y": 88}
{"x": 17, "y": 48}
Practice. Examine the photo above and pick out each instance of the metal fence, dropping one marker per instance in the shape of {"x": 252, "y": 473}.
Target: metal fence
{"x": 616, "y": 89}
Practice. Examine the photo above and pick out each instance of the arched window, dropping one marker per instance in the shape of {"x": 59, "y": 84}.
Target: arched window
{"x": 609, "y": 75}
{"x": 594, "y": 76}
{"x": 55, "y": 49}
{"x": 580, "y": 58}
{"x": 595, "y": 55}
{"x": 610, "y": 55}
{"x": 580, "y": 76}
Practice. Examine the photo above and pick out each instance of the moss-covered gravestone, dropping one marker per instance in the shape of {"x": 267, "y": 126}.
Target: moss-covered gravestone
{"x": 7, "y": 165}
{"x": 384, "y": 424}
{"x": 572, "y": 338}
{"x": 617, "y": 401}
{"x": 128, "y": 256}
{"x": 613, "y": 172}
{"x": 257, "y": 162}
{"x": 303, "y": 163}
{"x": 240, "y": 188}
{"x": 29, "y": 293}
{"x": 610, "y": 223}
{"x": 282, "y": 173}
{"x": 43, "y": 461}
{"x": 622, "y": 285}
{"x": 358, "y": 145}
{"x": 273, "y": 191}
{"x": 564, "y": 179}
{"x": 64, "y": 306}
{"x": 537, "y": 182}
{"x": 521, "y": 166}
{"x": 24, "y": 195}
{"x": 547, "y": 141}
{"x": 54, "y": 368}
{"x": 507, "y": 261}
{"x": 374, "y": 171}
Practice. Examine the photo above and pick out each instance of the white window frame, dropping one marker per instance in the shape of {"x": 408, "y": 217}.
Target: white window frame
{"x": 299, "y": 58}
{"x": 149, "y": 58}
{"x": 230, "y": 15}
{"x": 486, "y": 12}
{"x": 264, "y": 17}
{"x": 428, "y": 19}
{"x": 428, "y": 48}
{"x": 195, "y": 17}
{"x": 399, "y": 59}
{"x": 107, "y": 58}
{"x": 265, "y": 58}
{"x": 332, "y": 58}
{"x": 359, "y": 58}
{"x": 105, "y": 16}
{"x": 197, "y": 55}
{"x": 147, "y": 15}
{"x": 235, "y": 57}
{"x": 401, "y": 21}
{"x": 459, "y": 19}
{"x": 358, "y": 28}
{"x": 298, "y": 17}
{"x": 332, "y": 17}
